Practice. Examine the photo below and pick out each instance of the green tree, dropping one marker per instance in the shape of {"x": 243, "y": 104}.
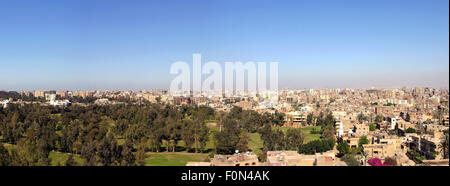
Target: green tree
{"x": 140, "y": 154}
{"x": 343, "y": 148}
{"x": 378, "y": 118}
{"x": 362, "y": 117}
{"x": 316, "y": 146}
{"x": 88, "y": 152}
{"x": 128, "y": 158}
{"x": 242, "y": 145}
{"x": 329, "y": 133}
{"x": 362, "y": 140}
{"x": 294, "y": 139}
{"x": 5, "y": 158}
{"x": 372, "y": 127}
{"x": 227, "y": 139}
{"x": 309, "y": 118}
{"x": 108, "y": 151}
{"x": 350, "y": 160}
{"x": 70, "y": 161}
{"x": 407, "y": 117}
{"x": 444, "y": 145}
{"x": 188, "y": 134}
{"x": 272, "y": 139}
{"x": 410, "y": 130}
{"x": 195, "y": 133}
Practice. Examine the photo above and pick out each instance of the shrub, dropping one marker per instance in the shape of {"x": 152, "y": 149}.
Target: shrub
{"x": 410, "y": 130}
{"x": 372, "y": 127}
{"x": 375, "y": 162}
{"x": 343, "y": 148}
{"x": 390, "y": 161}
{"x": 350, "y": 160}
{"x": 316, "y": 146}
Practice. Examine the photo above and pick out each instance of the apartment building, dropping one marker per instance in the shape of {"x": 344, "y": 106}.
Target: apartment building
{"x": 62, "y": 94}
{"x": 295, "y": 118}
{"x": 427, "y": 145}
{"x": 237, "y": 159}
{"x": 293, "y": 158}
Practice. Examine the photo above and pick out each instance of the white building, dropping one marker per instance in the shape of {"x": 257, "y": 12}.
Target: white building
{"x": 62, "y": 103}
{"x": 305, "y": 109}
{"x": 50, "y": 97}
{"x": 340, "y": 128}
{"x": 393, "y": 123}
{"x": 4, "y": 103}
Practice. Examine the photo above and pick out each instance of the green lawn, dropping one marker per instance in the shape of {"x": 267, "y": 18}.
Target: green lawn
{"x": 173, "y": 158}
{"x": 255, "y": 143}
{"x": 9, "y": 146}
{"x": 310, "y": 137}
{"x": 59, "y": 158}
{"x": 55, "y": 157}
{"x": 306, "y": 132}
{"x": 181, "y": 158}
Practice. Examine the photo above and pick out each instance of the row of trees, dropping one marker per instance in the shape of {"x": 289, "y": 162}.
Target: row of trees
{"x": 120, "y": 134}
{"x": 93, "y": 131}
{"x": 237, "y": 124}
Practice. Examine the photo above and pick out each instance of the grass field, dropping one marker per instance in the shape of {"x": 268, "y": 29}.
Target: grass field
{"x": 306, "y": 132}
{"x": 60, "y": 158}
{"x": 255, "y": 143}
{"x": 9, "y": 146}
{"x": 56, "y": 158}
{"x": 310, "y": 137}
{"x": 181, "y": 158}
{"x": 173, "y": 158}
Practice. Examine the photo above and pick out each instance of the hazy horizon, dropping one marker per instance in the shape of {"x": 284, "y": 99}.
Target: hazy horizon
{"x": 166, "y": 89}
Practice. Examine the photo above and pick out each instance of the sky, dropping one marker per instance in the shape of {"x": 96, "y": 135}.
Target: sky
{"x": 118, "y": 44}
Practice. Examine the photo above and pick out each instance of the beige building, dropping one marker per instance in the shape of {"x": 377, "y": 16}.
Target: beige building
{"x": 238, "y": 159}
{"x": 295, "y": 118}
{"x": 198, "y": 164}
{"x": 289, "y": 158}
{"x": 445, "y": 120}
{"x": 361, "y": 129}
{"x": 403, "y": 125}
{"x": 293, "y": 158}
{"x": 427, "y": 145}
{"x": 379, "y": 150}
{"x": 383, "y": 146}
{"x": 62, "y": 94}
{"x": 245, "y": 105}
{"x": 351, "y": 141}
{"x": 39, "y": 94}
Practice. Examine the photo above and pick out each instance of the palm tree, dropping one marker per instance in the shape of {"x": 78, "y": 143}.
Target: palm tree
{"x": 365, "y": 155}
{"x": 444, "y": 146}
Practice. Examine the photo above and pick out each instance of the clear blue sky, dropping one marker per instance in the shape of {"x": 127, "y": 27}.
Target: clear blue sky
{"x": 111, "y": 44}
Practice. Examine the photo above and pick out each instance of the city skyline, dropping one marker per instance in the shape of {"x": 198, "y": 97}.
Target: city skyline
{"x": 246, "y": 90}
{"x": 112, "y": 45}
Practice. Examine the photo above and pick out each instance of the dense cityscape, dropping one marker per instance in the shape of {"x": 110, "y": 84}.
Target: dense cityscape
{"x": 224, "y": 92}
{"x": 312, "y": 127}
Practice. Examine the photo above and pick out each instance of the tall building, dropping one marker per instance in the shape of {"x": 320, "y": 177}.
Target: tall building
{"x": 62, "y": 94}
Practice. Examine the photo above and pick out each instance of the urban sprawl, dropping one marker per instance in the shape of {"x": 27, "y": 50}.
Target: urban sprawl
{"x": 370, "y": 127}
